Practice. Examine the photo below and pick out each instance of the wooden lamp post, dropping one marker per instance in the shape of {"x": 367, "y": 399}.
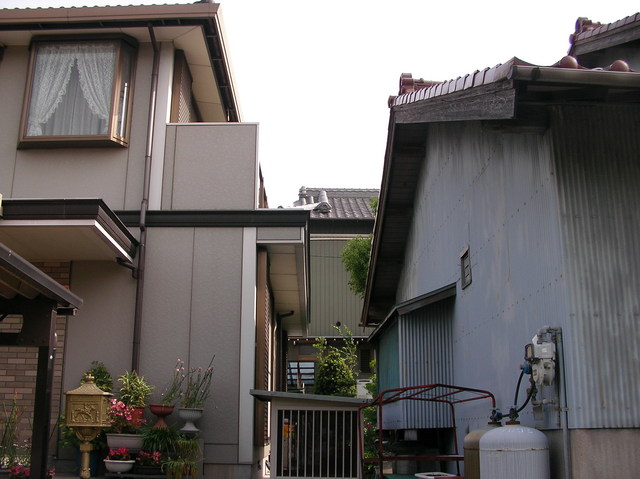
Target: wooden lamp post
{"x": 87, "y": 412}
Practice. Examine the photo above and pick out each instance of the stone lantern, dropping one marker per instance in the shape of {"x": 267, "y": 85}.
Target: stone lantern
{"x": 87, "y": 413}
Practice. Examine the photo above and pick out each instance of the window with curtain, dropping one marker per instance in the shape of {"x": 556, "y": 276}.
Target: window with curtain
{"x": 78, "y": 91}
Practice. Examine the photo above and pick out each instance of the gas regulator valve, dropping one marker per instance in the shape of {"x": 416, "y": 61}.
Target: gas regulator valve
{"x": 541, "y": 355}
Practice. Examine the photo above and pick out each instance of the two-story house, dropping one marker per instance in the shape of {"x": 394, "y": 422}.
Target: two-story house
{"x": 127, "y": 174}
{"x": 509, "y": 202}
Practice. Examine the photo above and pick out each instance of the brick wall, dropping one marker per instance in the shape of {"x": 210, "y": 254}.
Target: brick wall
{"x": 18, "y": 365}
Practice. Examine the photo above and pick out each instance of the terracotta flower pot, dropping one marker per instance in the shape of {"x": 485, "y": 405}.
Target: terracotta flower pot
{"x": 161, "y": 411}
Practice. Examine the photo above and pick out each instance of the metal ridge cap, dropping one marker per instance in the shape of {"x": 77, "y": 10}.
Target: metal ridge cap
{"x": 570, "y": 75}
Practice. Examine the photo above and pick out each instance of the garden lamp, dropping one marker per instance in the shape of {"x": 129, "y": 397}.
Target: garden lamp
{"x": 87, "y": 413}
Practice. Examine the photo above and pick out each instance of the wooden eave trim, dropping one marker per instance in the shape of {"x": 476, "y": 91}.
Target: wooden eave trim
{"x": 488, "y": 102}
{"x": 611, "y": 38}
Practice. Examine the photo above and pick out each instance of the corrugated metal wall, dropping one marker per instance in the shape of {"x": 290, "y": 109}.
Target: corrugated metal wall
{"x": 494, "y": 193}
{"x": 426, "y": 357}
{"x": 598, "y": 170}
{"x": 552, "y": 223}
{"x": 331, "y": 299}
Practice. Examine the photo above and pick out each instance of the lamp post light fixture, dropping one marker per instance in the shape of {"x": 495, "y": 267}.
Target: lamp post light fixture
{"x": 87, "y": 413}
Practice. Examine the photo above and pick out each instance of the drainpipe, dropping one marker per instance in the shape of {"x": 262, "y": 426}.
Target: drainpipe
{"x": 144, "y": 206}
{"x": 564, "y": 410}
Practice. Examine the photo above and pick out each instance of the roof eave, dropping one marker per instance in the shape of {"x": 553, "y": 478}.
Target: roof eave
{"x": 204, "y": 14}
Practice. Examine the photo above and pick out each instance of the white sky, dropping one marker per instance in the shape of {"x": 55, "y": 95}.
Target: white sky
{"x": 316, "y": 75}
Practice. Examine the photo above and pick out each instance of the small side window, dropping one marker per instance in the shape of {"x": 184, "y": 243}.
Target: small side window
{"x": 465, "y": 268}
{"x": 79, "y": 93}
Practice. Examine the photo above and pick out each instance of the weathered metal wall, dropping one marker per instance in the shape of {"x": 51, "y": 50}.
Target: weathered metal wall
{"x": 495, "y": 194}
{"x": 598, "y": 171}
{"x": 331, "y": 298}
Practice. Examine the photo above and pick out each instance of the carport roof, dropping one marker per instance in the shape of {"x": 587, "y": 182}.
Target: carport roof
{"x": 19, "y": 278}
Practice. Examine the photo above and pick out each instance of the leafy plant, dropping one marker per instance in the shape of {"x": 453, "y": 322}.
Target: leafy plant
{"x": 186, "y": 461}
{"x": 8, "y": 441}
{"x": 370, "y": 420}
{"x": 355, "y": 258}
{"x": 336, "y": 366}
{"x": 173, "y": 390}
{"x": 161, "y": 439}
{"x": 198, "y": 386}
{"x": 101, "y": 376}
{"x": 154, "y": 458}
{"x": 134, "y": 390}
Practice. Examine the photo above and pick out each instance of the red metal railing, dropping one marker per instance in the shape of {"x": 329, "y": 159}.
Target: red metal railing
{"x": 440, "y": 393}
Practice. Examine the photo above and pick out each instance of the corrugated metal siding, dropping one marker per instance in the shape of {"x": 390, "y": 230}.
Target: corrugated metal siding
{"x": 388, "y": 363}
{"x": 426, "y": 358}
{"x": 331, "y": 299}
{"x": 598, "y": 170}
{"x": 496, "y": 194}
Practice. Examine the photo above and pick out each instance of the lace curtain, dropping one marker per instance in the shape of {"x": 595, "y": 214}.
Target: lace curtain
{"x": 50, "y": 96}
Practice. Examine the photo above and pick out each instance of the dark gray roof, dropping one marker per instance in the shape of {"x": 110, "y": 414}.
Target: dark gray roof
{"x": 337, "y": 203}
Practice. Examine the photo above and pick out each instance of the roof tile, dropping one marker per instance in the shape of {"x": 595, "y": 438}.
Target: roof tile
{"x": 499, "y": 72}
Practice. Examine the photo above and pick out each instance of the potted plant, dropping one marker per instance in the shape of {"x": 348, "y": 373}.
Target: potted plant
{"x": 185, "y": 462}
{"x": 101, "y": 376}
{"x": 197, "y": 391}
{"x": 119, "y": 460}
{"x": 160, "y": 439}
{"x": 24, "y": 472}
{"x": 126, "y": 423}
{"x": 149, "y": 462}
{"x": 169, "y": 395}
{"x": 134, "y": 389}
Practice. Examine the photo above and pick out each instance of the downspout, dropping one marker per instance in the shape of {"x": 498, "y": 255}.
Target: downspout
{"x": 564, "y": 409}
{"x": 144, "y": 206}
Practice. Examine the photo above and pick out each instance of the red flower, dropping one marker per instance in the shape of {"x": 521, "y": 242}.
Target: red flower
{"x": 120, "y": 454}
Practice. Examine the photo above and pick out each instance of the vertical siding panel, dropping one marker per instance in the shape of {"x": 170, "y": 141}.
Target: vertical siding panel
{"x": 331, "y": 298}
{"x": 598, "y": 163}
{"x": 426, "y": 358}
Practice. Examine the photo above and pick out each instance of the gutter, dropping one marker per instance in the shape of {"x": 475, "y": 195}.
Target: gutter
{"x": 378, "y": 222}
{"x": 575, "y": 76}
{"x": 144, "y": 206}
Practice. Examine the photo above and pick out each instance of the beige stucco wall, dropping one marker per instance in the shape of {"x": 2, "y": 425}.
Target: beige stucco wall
{"x": 191, "y": 311}
{"x": 103, "y": 327}
{"x": 211, "y": 166}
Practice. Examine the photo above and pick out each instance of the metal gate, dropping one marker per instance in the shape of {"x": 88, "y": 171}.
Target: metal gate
{"x": 316, "y": 443}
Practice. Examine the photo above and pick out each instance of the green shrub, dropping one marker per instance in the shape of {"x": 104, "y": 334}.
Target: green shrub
{"x": 336, "y": 366}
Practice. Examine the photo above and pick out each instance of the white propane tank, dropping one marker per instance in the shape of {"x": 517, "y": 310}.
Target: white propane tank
{"x": 514, "y": 451}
